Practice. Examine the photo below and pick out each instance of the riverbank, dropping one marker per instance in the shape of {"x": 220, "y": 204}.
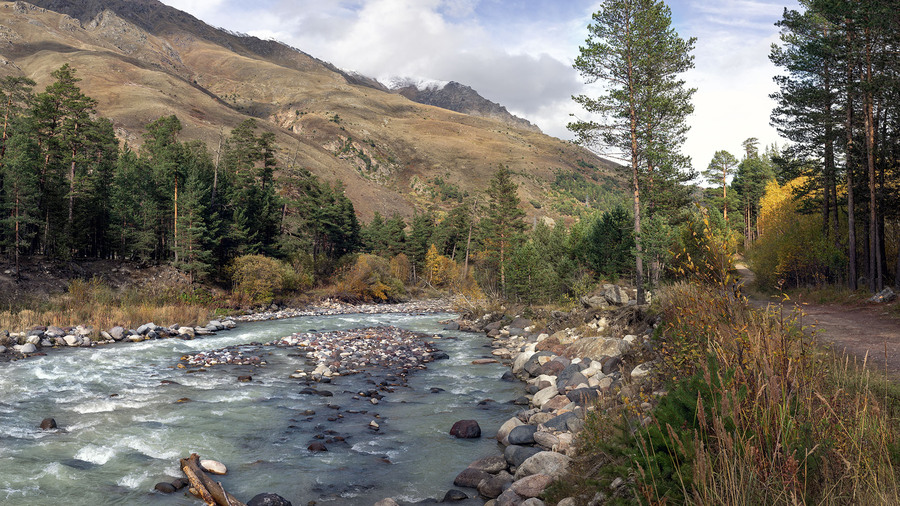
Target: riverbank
{"x": 38, "y": 340}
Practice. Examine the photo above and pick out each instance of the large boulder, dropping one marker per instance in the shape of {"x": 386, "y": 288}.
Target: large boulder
{"x": 145, "y": 328}
{"x": 616, "y": 295}
{"x": 269, "y": 499}
{"x": 595, "y": 348}
{"x": 25, "y": 348}
{"x": 118, "y": 333}
{"x": 503, "y": 432}
{"x": 516, "y": 455}
{"x": 544, "y": 395}
{"x": 551, "y": 464}
{"x": 470, "y": 478}
{"x": 466, "y": 429}
{"x": 491, "y": 464}
{"x": 531, "y": 486}
{"x": 522, "y": 435}
{"x": 594, "y": 302}
{"x": 495, "y": 485}
{"x": 886, "y": 295}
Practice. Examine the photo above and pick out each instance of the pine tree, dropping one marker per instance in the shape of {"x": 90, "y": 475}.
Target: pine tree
{"x": 718, "y": 171}
{"x": 633, "y": 50}
{"x": 503, "y": 225}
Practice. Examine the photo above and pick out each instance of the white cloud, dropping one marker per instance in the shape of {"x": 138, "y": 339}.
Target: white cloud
{"x": 520, "y": 54}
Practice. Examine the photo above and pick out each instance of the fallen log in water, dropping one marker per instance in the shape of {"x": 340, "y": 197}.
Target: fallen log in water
{"x": 211, "y": 492}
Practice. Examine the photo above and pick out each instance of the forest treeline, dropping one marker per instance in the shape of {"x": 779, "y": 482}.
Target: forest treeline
{"x": 837, "y": 103}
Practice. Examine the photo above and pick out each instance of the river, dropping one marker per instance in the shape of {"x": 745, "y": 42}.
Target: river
{"x": 123, "y": 429}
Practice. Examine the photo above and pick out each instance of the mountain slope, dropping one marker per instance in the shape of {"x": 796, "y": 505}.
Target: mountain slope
{"x": 141, "y": 59}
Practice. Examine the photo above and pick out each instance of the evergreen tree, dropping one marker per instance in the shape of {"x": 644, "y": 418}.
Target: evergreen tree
{"x": 719, "y": 169}
{"x": 503, "y": 225}
{"x": 20, "y": 190}
{"x": 633, "y": 50}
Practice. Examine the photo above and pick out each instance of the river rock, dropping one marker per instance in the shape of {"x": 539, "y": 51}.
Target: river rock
{"x": 509, "y": 498}
{"x": 470, "y": 478}
{"x": 269, "y": 499}
{"x": 213, "y": 467}
{"x": 454, "y": 495}
{"x": 561, "y": 422}
{"x": 596, "y": 348}
{"x": 531, "y": 486}
{"x": 642, "y": 370}
{"x": 466, "y": 429}
{"x": 520, "y": 361}
{"x": 48, "y": 424}
{"x": 186, "y": 332}
{"x": 536, "y": 361}
{"x": 557, "y": 403}
{"x": 72, "y": 340}
{"x": 516, "y": 455}
{"x": 503, "y": 432}
{"x": 34, "y": 339}
{"x": 2, "y": 349}
{"x": 84, "y": 330}
{"x": 546, "y": 439}
{"x": 522, "y": 435}
{"x": 317, "y": 447}
{"x": 54, "y": 331}
{"x": 118, "y": 333}
{"x": 25, "y": 348}
{"x": 544, "y": 395}
{"x": 547, "y": 463}
{"x": 491, "y": 464}
{"x": 540, "y": 417}
{"x": 164, "y": 487}
{"x": 534, "y": 501}
{"x": 583, "y": 396}
{"x": 495, "y": 485}
{"x": 145, "y": 328}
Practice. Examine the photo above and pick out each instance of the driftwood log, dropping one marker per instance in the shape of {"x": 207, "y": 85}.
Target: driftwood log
{"x": 210, "y": 491}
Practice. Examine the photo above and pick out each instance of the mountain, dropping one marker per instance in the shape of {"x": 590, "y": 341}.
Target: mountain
{"x": 460, "y": 98}
{"x": 141, "y": 59}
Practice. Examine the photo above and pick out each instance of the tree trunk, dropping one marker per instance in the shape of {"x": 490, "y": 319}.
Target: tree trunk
{"x": 851, "y": 205}
{"x": 469, "y": 240}
{"x": 870, "y": 166}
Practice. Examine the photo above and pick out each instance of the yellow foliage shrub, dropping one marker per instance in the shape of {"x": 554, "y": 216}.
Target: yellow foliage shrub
{"x": 441, "y": 271}
{"x": 258, "y": 278}
{"x": 791, "y": 248}
{"x": 401, "y": 268}
{"x": 370, "y": 278}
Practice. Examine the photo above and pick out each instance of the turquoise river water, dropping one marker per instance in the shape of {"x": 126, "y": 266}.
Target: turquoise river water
{"x": 123, "y": 431}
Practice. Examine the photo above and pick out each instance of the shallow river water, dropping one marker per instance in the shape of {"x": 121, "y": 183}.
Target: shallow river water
{"x": 124, "y": 431}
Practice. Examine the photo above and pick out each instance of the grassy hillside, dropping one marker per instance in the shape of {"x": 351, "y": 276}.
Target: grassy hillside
{"x": 141, "y": 60}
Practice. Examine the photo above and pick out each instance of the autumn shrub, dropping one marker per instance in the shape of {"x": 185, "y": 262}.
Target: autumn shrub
{"x": 440, "y": 270}
{"x": 257, "y": 278}
{"x": 707, "y": 248}
{"x": 791, "y": 249}
{"x": 371, "y": 279}
{"x": 401, "y": 268}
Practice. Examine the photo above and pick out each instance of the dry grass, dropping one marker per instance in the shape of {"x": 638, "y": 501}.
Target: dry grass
{"x": 785, "y": 422}
{"x": 94, "y": 303}
{"x": 756, "y": 413}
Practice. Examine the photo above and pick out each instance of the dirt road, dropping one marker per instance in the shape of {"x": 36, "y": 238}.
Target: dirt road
{"x": 865, "y": 332}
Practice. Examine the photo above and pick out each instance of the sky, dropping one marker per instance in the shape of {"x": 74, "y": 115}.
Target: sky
{"x": 519, "y": 53}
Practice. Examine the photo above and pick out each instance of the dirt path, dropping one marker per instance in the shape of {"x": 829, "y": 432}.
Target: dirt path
{"x": 864, "y": 332}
